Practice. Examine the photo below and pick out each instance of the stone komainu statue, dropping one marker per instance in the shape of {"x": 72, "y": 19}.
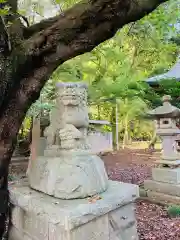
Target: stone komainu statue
{"x": 68, "y": 170}
{"x": 69, "y": 119}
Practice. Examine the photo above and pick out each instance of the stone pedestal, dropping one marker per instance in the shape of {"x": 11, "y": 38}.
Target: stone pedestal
{"x": 164, "y": 186}
{"x": 37, "y": 216}
{"x": 69, "y": 175}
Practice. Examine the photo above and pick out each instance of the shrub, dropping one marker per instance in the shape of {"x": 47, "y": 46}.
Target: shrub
{"x": 174, "y": 211}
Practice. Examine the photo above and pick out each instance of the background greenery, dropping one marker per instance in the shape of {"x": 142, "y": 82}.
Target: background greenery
{"x": 117, "y": 69}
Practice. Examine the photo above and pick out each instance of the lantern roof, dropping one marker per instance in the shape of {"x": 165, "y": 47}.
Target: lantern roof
{"x": 166, "y": 110}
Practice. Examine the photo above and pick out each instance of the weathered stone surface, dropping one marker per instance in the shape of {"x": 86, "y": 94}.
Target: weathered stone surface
{"x": 71, "y": 214}
{"x": 95, "y": 230}
{"x": 35, "y": 226}
{"x": 42, "y": 146}
{"x": 169, "y": 147}
{"x": 163, "y": 198}
{"x": 68, "y": 117}
{"x": 37, "y": 149}
{"x": 73, "y": 97}
{"x": 18, "y": 217}
{"x": 122, "y": 223}
{"x": 15, "y": 234}
{"x": 166, "y": 175}
{"x": 45, "y": 217}
{"x": 142, "y": 192}
{"x": 73, "y": 175}
{"x": 166, "y": 188}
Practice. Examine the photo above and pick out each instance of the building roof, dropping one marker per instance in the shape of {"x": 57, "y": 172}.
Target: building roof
{"x": 173, "y": 73}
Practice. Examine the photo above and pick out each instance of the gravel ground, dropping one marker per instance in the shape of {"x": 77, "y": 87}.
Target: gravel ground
{"x": 133, "y": 166}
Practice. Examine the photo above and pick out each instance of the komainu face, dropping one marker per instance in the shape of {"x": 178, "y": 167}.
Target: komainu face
{"x": 73, "y": 94}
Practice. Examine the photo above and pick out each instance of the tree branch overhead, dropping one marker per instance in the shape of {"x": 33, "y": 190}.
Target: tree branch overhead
{"x": 80, "y": 29}
{"x": 53, "y": 41}
{"x": 84, "y": 26}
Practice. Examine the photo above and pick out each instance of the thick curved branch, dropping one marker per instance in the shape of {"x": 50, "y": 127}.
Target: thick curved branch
{"x": 84, "y": 26}
{"x": 81, "y": 29}
{"x": 33, "y": 29}
{"x": 139, "y": 8}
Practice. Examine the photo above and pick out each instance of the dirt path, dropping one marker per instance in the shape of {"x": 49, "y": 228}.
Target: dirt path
{"x": 132, "y": 166}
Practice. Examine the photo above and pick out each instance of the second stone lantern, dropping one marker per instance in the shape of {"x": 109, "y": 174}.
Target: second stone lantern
{"x": 165, "y": 185}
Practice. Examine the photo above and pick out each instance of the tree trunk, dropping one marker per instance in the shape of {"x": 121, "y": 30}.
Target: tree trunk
{"x": 29, "y": 55}
{"x": 126, "y": 132}
{"x": 99, "y": 112}
{"x": 29, "y": 137}
{"x": 113, "y": 124}
{"x": 153, "y": 142}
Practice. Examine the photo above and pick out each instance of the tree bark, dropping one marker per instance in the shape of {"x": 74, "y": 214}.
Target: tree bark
{"x": 29, "y": 55}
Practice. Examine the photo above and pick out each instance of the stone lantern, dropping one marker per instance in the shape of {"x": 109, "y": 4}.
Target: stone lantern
{"x": 166, "y": 117}
{"x": 165, "y": 185}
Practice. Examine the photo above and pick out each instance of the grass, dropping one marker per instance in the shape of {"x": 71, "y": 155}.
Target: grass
{"x": 143, "y": 145}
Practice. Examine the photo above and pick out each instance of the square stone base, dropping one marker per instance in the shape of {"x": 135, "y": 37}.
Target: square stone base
{"x": 165, "y": 186}
{"x": 160, "y": 187}
{"x": 163, "y": 198}
{"x": 166, "y": 175}
{"x": 36, "y": 216}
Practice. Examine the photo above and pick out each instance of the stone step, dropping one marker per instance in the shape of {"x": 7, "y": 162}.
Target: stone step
{"x": 163, "y": 198}
{"x": 166, "y": 188}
